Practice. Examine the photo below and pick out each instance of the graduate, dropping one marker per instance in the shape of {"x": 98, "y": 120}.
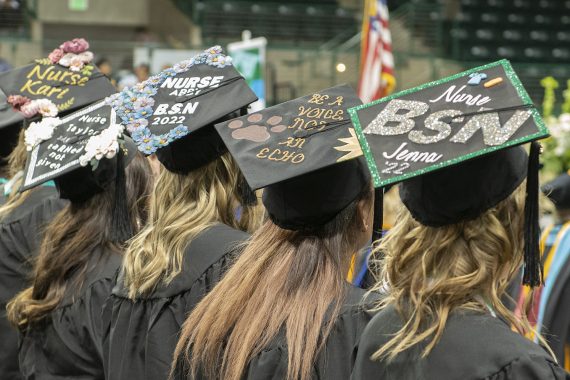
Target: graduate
{"x": 470, "y": 220}
{"x": 550, "y": 302}
{"x": 194, "y": 227}
{"x": 285, "y": 309}
{"x": 59, "y": 316}
{"x": 43, "y": 90}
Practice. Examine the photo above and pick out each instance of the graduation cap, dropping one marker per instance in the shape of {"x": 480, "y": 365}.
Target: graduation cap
{"x": 67, "y": 79}
{"x": 304, "y": 152}
{"x": 465, "y": 129}
{"x": 558, "y": 191}
{"x": 83, "y": 153}
{"x": 167, "y": 114}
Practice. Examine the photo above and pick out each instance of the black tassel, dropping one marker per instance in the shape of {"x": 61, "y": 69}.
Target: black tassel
{"x": 247, "y": 195}
{"x": 378, "y": 216}
{"x": 122, "y": 228}
{"x": 532, "y": 275}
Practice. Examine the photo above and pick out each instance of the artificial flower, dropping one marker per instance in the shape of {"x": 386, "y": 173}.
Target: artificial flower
{"x": 143, "y": 102}
{"x": 76, "y": 64}
{"x": 66, "y": 59}
{"x": 17, "y": 101}
{"x": 76, "y": 45}
{"x": 40, "y": 131}
{"x": 46, "y": 107}
{"x": 29, "y": 109}
{"x": 56, "y": 55}
{"x": 105, "y": 144}
{"x": 85, "y": 57}
{"x": 137, "y": 124}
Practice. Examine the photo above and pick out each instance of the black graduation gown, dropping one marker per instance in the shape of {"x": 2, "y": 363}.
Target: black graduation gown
{"x": 556, "y": 320}
{"x": 334, "y": 362}
{"x": 474, "y": 346}
{"x": 68, "y": 344}
{"x": 142, "y": 335}
{"x": 20, "y": 238}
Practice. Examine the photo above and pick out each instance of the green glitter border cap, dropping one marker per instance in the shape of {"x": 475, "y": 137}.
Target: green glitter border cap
{"x": 379, "y": 182}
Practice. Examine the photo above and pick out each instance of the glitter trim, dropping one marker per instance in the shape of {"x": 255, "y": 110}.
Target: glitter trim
{"x": 509, "y": 71}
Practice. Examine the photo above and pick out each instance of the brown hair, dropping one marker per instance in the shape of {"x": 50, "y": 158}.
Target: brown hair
{"x": 182, "y": 206}
{"x": 16, "y": 164}
{"x": 283, "y": 279}
{"x": 430, "y": 272}
{"x": 69, "y": 243}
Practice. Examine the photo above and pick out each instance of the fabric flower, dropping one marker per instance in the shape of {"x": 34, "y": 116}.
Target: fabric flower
{"x": 140, "y": 135}
{"x": 40, "y": 131}
{"x": 143, "y": 102}
{"x": 66, "y": 59}
{"x": 178, "y": 132}
{"x": 137, "y": 124}
{"x": 76, "y": 64}
{"x": 45, "y": 107}
{"x": 29, "y": 109}
{"x": 86, "y": 56}
{"x": 105, "y": 144}
{"x": 143, "y": 113}
{"x": 76, "y": 45}
{"x": 161, "y": 140}
{"x": 147, "y": 146}
{"x": 56, "y": 55}
{"x": 183, "y": 66}
{"x": 17, "y": 101}
{"x": 217, "y": 49}
{"x": 155, "y": 80}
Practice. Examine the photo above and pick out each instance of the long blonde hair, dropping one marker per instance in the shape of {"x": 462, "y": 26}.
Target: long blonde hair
{"x": 283, "y": 279}
{"x": 16, "y": 164}
{"x": 181, "y": 207}
{"x": 430, "y": 272}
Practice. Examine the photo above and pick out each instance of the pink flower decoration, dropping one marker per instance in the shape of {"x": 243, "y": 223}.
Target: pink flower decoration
{"x": 17, "y": 102}
{"x": 66, "y": 59}
{"x": 30, "y": 109}
{"x": 55, "y": 55}
{"x": 76, "y": 64}
{"x": 76, "y": 45}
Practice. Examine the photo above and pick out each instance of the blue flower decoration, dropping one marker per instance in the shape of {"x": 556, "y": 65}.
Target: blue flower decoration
{"x": 178, "y": 132}
{"x": 141, "y": 134}
{"x": 147, "y": 148}
{"x": 143, "y": 113}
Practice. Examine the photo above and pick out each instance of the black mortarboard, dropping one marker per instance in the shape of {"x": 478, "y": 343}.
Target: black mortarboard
{"x": 303, "y": 153}
{"x": 479, "y": 115}
{"x": 83, "y": 153}
{"x": 67, "y": 78}
{"x": 558, "y": 191}
{"x": 167, "y": 113}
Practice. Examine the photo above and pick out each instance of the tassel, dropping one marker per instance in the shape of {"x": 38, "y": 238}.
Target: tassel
{"x": 122, "y": 228}
{"x": 378, "y": 216}
{"x": 532, "y": 275}
{"x": 247, "y": 195}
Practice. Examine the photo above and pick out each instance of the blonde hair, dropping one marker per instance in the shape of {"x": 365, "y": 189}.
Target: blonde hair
{"x": 181, "y": 207}
{"x": 429, "y": 272}
{"x": 16, "y": 164}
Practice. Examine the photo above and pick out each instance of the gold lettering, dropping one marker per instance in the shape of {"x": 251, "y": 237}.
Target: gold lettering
{"x": 262, "y": 153}
{"x": 338, "y": 101}
{"x": 338, "y": 115}
{"x": 298, "y": 158}
{"x": 318, "y": 98}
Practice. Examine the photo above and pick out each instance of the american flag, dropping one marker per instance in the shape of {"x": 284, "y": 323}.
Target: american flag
{"x": 376, "y": 59}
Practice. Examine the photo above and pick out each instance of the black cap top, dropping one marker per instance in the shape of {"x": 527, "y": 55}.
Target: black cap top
{"x": 78, "y": 151}
{"x": 63, "y": 82}
{"x": 173, "y": 105}
{"x": 558, "y": 191}
{"x": 303, "y": 152}
{"x": 474, "y": 115}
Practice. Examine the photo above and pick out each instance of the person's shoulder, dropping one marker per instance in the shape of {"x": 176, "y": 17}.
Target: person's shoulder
{"x": 41, "y": 203}
{"x": 478, "y": 345}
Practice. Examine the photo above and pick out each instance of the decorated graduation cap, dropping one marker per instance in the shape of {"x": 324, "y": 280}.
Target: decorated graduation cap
{"x": 305, "y": 154}
{"x": 83, "y": 153}
{"x": 558, "y": 191}
{"x": 465, "y": 129}
{"x": 168, "y": 113}
{"x": 64, "y": 81}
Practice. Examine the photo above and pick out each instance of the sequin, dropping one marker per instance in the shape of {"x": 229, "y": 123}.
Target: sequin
{"x": 390, "y": 114}
{"x": 434, "y": 123}
{"x": 493, "y": 133}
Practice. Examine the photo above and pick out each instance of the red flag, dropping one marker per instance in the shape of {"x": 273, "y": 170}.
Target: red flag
{"x": 376, "y": 59}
